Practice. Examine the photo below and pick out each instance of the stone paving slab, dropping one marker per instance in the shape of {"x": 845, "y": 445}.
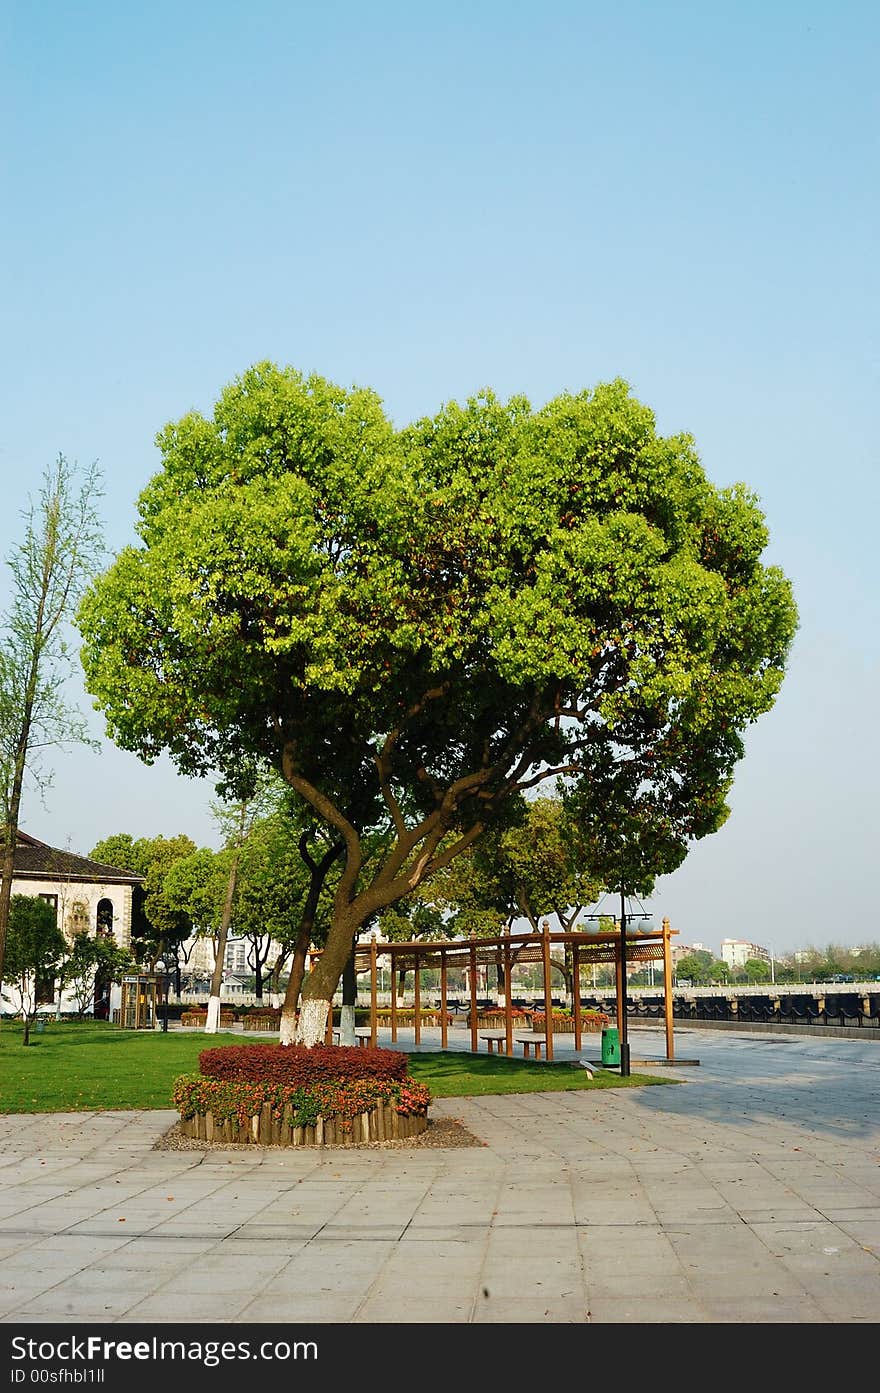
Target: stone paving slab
{"x": 747, "y": 1191}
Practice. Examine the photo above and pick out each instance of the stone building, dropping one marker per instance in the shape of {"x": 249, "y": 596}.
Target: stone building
{"x": 87, "y": 896}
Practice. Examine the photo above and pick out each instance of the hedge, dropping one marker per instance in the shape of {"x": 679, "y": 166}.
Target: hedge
{"x": 295, "y": 1066}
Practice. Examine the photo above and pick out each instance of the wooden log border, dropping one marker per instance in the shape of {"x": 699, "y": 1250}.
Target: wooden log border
{"x": 382, "y": 1123}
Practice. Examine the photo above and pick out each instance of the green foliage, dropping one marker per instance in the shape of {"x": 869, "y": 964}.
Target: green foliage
{"x": 414, "y": 918}
{"x": 697, "y": 967}
{"x": 88, "y": 958}
{"x": 34, "y": 948}
{"x": 195, "y": 887}
{"x": 35, "y": 944}
{"x": 416, "y": 626}
{"x": 525, "y": 866}
{"x": 60, "y": 549}
{"x": 756, "y": 970}
{"x": 158, "y": 920}
{"x": 272, "y": 881}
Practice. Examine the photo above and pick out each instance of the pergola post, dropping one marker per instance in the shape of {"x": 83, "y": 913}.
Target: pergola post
{"x": 393, "y": 997}
{"x": 508, "y": 1008}
{"x": 548, "y": 1000}
{"x": 473, "y": 986}
{"x": 417, "y": 997}
{"x": 373, "y": 997}
{"x": 667, "y": 989}
{"x": 576, "y": 974}
{"x": 444, "y": 1028}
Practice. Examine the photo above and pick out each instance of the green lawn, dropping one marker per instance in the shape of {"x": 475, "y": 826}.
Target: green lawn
{"x": 452, "y": 1075}
{"x": 80, "y": 1067}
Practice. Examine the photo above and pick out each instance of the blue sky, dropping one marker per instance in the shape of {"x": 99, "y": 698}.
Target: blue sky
{"x": 434, "y": 199}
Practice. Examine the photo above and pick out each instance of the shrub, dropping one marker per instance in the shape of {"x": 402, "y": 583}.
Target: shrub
{"x": 194, "y": 1095}
{"x": 297, "y": 1067}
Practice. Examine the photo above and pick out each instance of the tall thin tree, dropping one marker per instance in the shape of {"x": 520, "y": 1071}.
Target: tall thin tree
{"x": 61, "y": 550}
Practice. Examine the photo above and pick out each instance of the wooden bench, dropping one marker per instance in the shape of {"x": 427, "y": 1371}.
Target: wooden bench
{"x": 493, "y": 1038}
{"x": 531, "y": 1042}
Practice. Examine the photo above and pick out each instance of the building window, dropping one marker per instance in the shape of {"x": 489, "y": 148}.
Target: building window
{"x": 78, "y": 919}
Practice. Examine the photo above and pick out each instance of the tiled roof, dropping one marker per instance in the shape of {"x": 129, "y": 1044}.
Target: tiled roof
{"x": 35, "y": 859}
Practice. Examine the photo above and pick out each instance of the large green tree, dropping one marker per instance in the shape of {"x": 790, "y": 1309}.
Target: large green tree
{"x": 443, "y": 615}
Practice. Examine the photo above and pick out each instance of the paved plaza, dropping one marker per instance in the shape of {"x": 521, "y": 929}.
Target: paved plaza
{"x": 746, "y": 1192}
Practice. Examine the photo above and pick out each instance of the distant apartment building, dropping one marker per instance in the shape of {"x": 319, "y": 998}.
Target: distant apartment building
{"x": 198, "y": 956}
{"x": 736, "y": 952}
{"x": 235, "y": 957}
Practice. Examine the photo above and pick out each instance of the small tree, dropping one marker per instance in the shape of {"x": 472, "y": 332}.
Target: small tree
{"x": 697, "y": 967}
{"x": 34, "y": 948}
{"x": 62, "y": 547}
{"x": 756, "y": 970}
{"x": 89, "y": 960}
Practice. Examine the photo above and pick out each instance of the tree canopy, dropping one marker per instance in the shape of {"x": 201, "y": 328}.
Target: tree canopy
{"x": 415, "y": 625}
{"x": 35, "y": 946}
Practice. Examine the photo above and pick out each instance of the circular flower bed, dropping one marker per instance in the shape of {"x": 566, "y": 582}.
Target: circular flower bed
{"x": 292, "y": 1096}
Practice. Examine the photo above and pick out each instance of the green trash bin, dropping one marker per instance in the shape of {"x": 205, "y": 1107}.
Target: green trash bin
{"x": 610, "y": 1045}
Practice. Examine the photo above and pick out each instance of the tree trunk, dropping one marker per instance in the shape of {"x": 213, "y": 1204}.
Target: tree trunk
{"x": 290, "y": 1028}
{"x": 311, "y": 1026}
{"x": 212, "y": 1023}
{"x": 349, "y": 1000}
{"x": 319, "y": 989}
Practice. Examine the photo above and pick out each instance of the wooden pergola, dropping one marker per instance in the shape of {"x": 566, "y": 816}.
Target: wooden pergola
{"x": 585, "y": 950}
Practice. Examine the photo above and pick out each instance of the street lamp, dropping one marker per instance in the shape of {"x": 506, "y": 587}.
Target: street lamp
{"x": 164, "y": 971}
